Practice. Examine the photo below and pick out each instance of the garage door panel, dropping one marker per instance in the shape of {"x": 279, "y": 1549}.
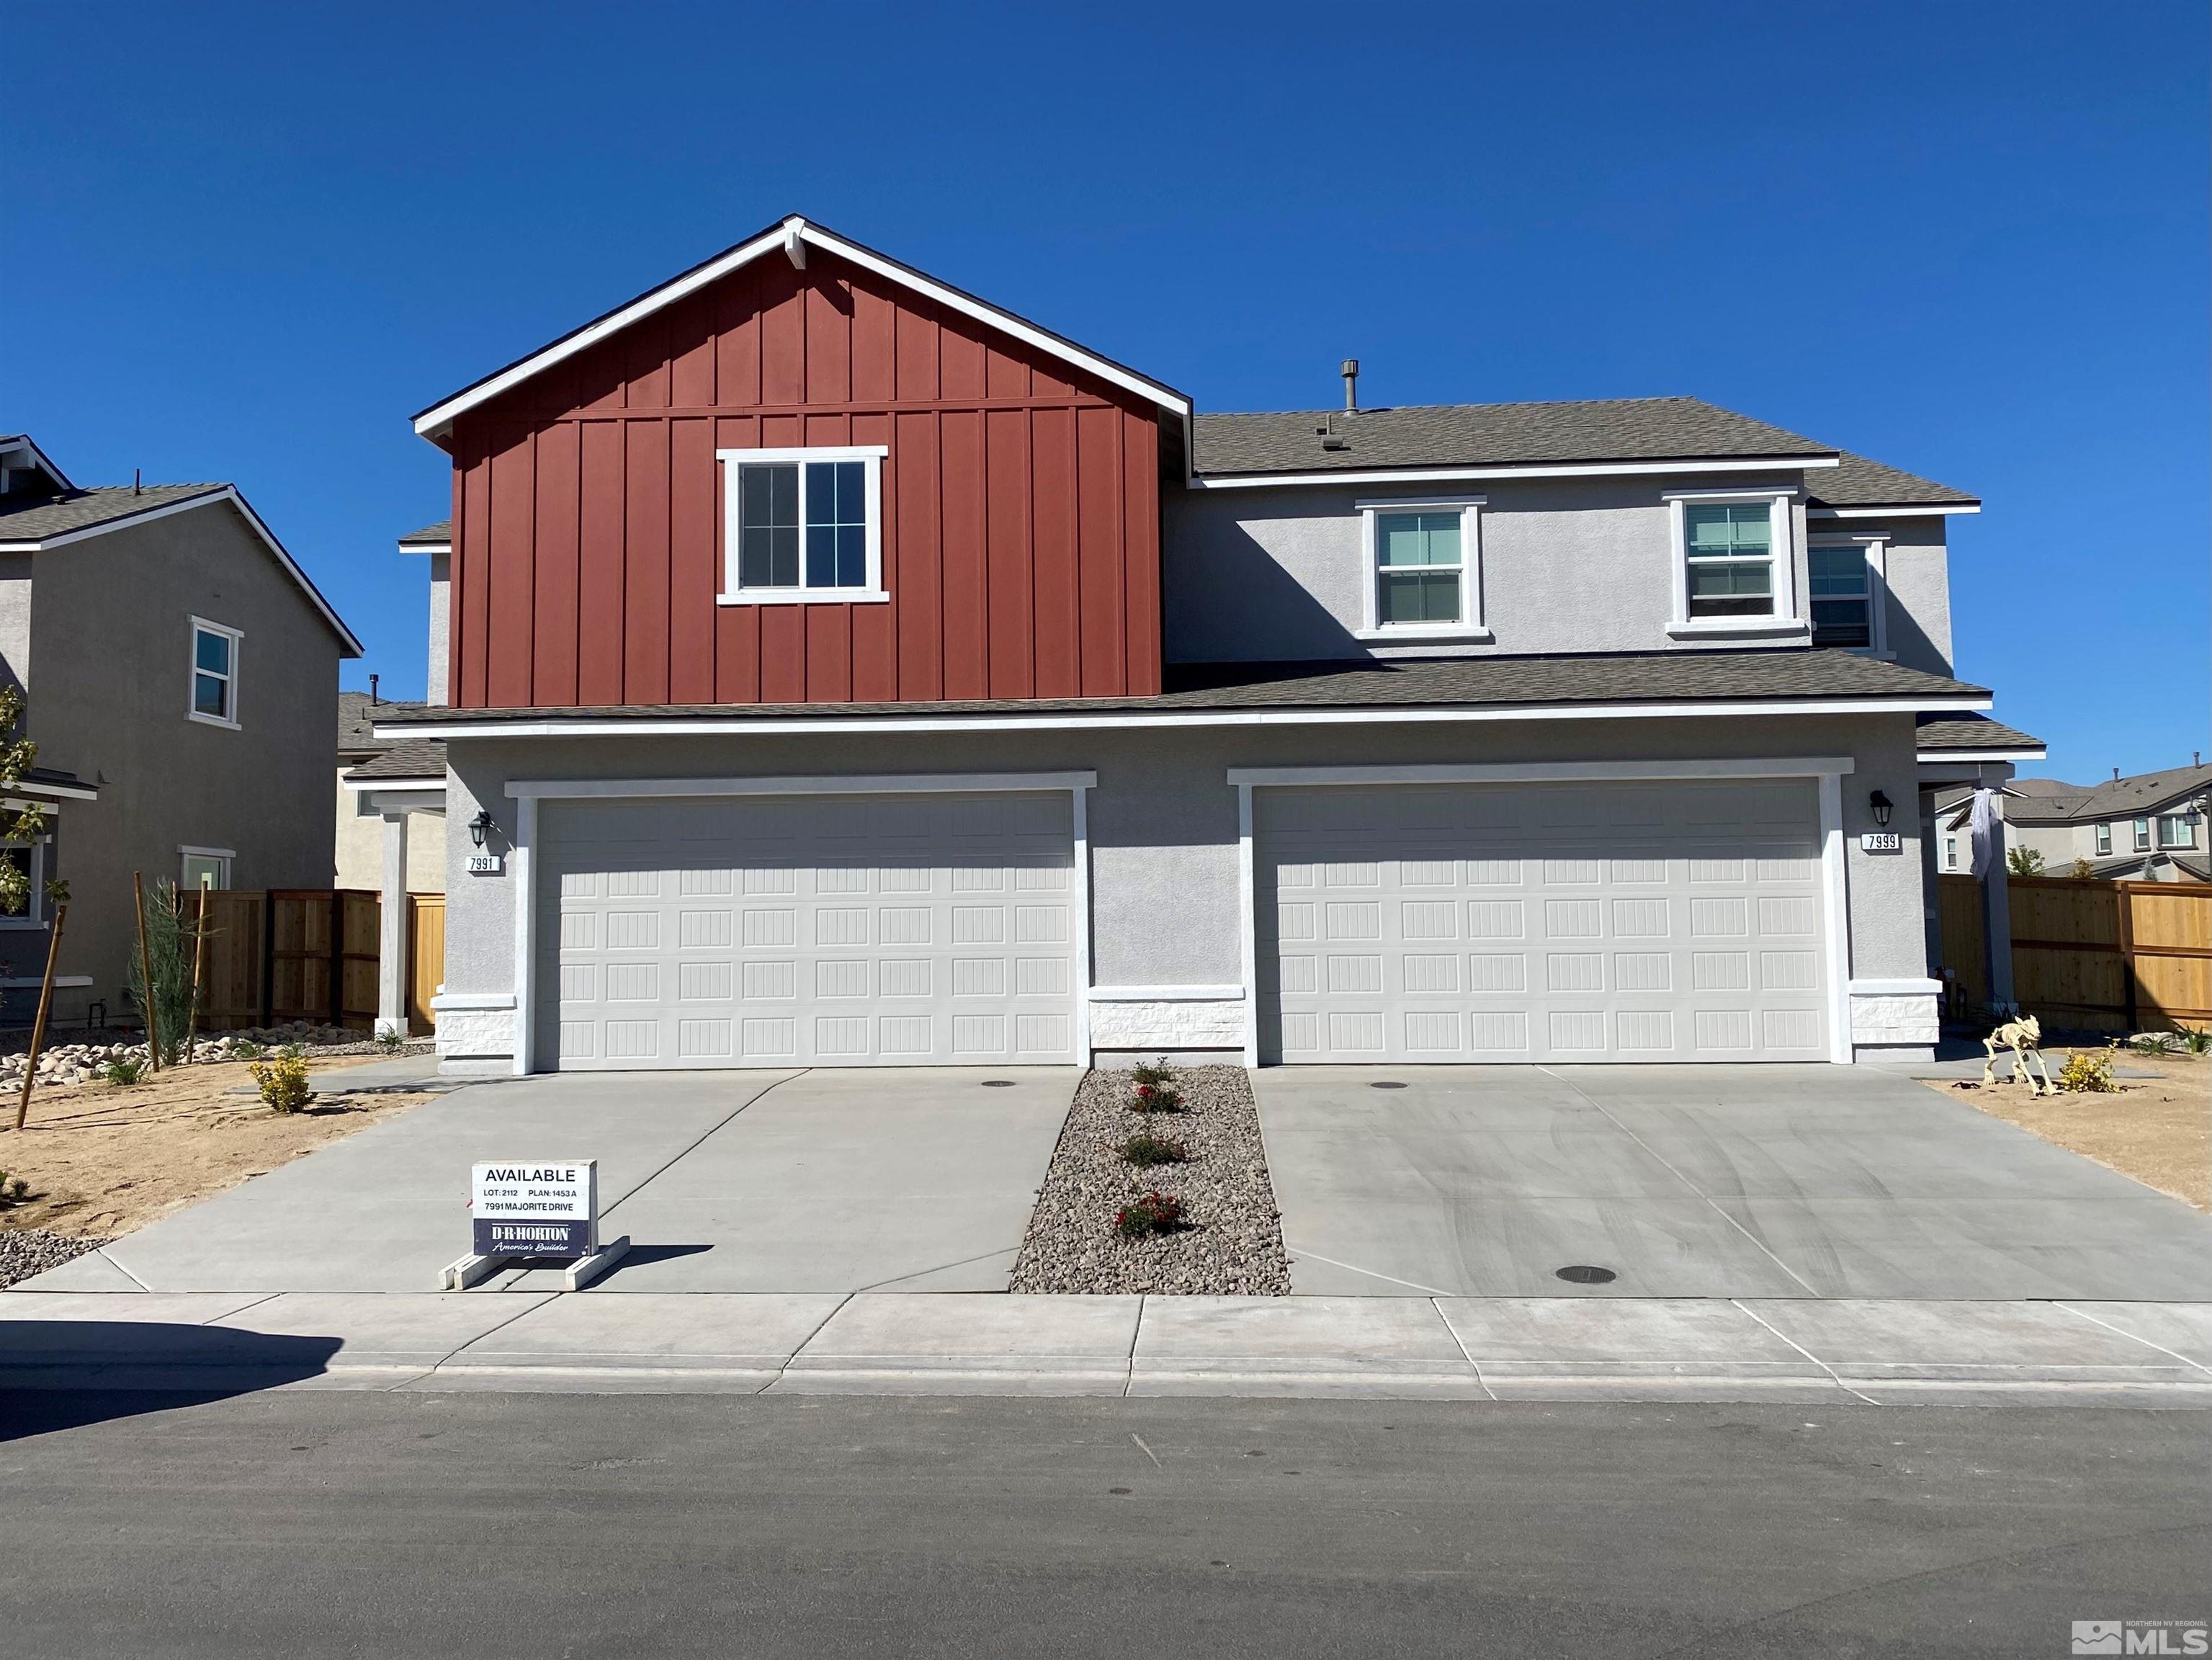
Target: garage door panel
{"x": 767, "y": 930}
{"x": 1572, "y": 922}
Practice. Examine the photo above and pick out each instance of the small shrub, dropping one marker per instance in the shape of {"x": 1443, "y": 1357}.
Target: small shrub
{"x": 2088, "y": 1072}
{"x": 1155, "y": 1097}
{"x": 1144, "y": 1073}
{"x": 2196, "y": 1039}
{"x": 14, "y": 1190}
{"x": 284, "y": 1082}
{"x": 2155, "y": 1042}
{"x": 1156, "y": 1212}
{"x": 245, "y": 1048}
{"x": 128, "y": 1070}
{"x": 391, "y": 1038}
{"x": 1143, "y": 1149}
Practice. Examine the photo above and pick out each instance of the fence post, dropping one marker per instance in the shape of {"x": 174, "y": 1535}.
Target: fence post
{"x": 2125, "y": 903}
{"x": 338, "y": 956}
{"x": 268, "y": 957}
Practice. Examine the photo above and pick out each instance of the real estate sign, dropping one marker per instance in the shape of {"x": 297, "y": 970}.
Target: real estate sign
{"x": 536, "y": 1207}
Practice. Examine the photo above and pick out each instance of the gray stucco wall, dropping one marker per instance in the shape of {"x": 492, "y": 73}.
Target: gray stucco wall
{"x": 15, "y": 619}
{"x": 1162, "y": 819}
{"x": 441, "y": 589}
{"x": 1916, "y": 565}
{"x": 112, "y": 642}
{"x": 1568, "y": 565}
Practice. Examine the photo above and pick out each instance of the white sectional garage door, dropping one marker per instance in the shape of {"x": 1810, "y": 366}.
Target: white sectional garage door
{"x": 839, "y": 930}
{"x": 1551, "y": 922}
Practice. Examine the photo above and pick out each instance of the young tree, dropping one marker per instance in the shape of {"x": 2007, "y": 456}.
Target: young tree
{"x": 2024, "y": 861}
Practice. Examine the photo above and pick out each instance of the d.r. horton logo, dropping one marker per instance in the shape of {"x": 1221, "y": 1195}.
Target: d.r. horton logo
{"x": 2142, "y": 1637}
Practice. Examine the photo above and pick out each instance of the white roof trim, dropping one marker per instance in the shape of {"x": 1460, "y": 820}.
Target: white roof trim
{"x": 1550, "y": 469}
{"x": 223, "y": 493}
{"x": 1918, "y": 510}
{"x": 1936, "y": 757}
{"x": 426, "y": 547}
{"x": 1370, "y": 714}
{"x": 924, "y": 783}
{"x": 794, "y": 232}
{"x": 24, "y": 440}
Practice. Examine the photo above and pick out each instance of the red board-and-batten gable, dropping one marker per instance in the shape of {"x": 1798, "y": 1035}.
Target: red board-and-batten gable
{"x": 1021, "y": 496}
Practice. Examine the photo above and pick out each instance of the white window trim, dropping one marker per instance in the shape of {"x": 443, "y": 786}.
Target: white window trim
{"x": 1471, "y": 627}
{"x": 1785, "y": 618}
{"x": 2139, "y": 833}
{"x": 2188, "y": 830}
{"x": 225, "y": 854}
{"x": 2102, "y": 841}
{"x": 237, "y": 638}
{"x": 734, "y": 594}
{"x": 1876, "y": 543}
{"x": 33, "y": 914}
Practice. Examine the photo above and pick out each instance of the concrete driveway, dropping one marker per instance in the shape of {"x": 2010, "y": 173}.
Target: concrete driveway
{"x": 1754, "y": 1182}
{"x": 883, "y": 1179}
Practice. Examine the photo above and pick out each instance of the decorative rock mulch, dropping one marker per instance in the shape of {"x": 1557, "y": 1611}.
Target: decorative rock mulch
{"x": 80, "y": 1062}
{"x": 1230, "y": 1242}
{"x": 26, "y": 1251}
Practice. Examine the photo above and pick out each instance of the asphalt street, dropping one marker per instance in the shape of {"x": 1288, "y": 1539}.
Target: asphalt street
{"x": 307, "y": 1523}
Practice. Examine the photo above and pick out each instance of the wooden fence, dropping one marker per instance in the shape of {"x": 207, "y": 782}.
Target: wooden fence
{"x": 426, "y": 956}
{"x": 2104, "y": 956}
{"x": 287, "y": 954}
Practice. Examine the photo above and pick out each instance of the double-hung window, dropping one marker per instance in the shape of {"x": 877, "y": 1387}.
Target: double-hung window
{"x": 1843, "y": 597}
{"x": 1732, "y": 563}
{"x": 802, "y": 526}
{"x": 214, "y": 673}
{"x": 2142, "y": 835}
{"x": 2174, "y": 830}
{"x": 1423, "y": 572}
{"x": 2104, "y": 841}
{"x": 28, "y": 860}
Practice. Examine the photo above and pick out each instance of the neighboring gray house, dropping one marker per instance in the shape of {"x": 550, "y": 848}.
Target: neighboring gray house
{"x": 360, "y": 831}
{"x": 2150, "y": 828}
{"x": 180, "y": 664}
{"x": 846, "y": 670}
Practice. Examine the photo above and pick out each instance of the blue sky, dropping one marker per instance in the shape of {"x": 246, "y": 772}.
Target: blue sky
{"x": 246, "y": 241}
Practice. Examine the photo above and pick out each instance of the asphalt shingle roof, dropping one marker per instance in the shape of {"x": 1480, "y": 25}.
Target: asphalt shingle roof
{"x": 1472, "y": 682}
{"x": 358, "y": 715}
{"x": 2050, "y": 802}
{"x": 1508, "y": 434}
{"x": 73, "y": 510}
{"x": 411, "y": 758}
{"x": 1973, "y": 732}
{"x": 435, "y": 535}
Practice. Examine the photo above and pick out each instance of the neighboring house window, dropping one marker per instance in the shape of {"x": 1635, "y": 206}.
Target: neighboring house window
{"x": 1842, "y": 595}
{"x": 1950, "y": 853}
{"x": 30, "y": 858}
{"x": 2104, "y": 841}
{"x": 802, "y": 526}
{"x": 214, "y": 673}
{"x": 1732, "y": 563}
{"x": 206, "y": 867}
{"x": 1423, "y": 569}
{"x": 2174, "y": 831}
{"x": 2142, "y": 835}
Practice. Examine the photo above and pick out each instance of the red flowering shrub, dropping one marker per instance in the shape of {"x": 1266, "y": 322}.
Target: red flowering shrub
{"x": 1156, "y": 1097}
{"x": 1156, "y": 1212}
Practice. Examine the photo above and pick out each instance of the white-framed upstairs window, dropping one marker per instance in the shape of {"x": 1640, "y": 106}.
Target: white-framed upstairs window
{"x": 214, "y": 673}
{"x": 33, "y": 859}
{"x": 1845, "y": 577}
{"x": 803, "y": 526}
{"x": 204, "y": 868}
{"x": 1950, "y": 853}
{"x": 2104, "y": 841}
{"x": 1423, "y": 565}
{"x": 1734, "y": 570}
{"x": 2141, "y": 828}
{"x": 2175, "y": 829}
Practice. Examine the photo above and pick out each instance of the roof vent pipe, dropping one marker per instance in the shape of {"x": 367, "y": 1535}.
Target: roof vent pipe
{"x": 1350, "y": 370}
{"x": 372, "y": 689}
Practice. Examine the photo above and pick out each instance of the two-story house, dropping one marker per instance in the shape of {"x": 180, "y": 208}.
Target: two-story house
{"x": 2147, "y": 828}
{"x": 180, "y": 666}
{"x": 843, "y": 670}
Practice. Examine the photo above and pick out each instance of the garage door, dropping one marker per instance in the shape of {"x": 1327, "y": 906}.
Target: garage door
{"x": 1579, "y": 922}
{"x": 855, "y": 930}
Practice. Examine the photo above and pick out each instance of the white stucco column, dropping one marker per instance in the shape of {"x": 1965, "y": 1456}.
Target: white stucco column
{"x": 391, "y": 944}
{"x": 1996, "y": 926}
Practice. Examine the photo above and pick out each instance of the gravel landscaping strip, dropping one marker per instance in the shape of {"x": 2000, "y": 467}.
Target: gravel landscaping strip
{"x": 1230, "y": 1242}
{"x": 26, "y": 1251}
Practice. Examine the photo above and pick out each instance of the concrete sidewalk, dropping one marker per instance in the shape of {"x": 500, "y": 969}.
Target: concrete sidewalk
{"x": 1830, "y": 1350}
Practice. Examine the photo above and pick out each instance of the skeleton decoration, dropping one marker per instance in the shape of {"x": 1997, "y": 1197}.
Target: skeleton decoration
{"x": 2022, "y": 1036}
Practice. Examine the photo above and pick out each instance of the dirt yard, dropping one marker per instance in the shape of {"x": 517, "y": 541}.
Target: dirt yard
{"x": 102, "y": 1159}
{"x": 2157, "y": 1130}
